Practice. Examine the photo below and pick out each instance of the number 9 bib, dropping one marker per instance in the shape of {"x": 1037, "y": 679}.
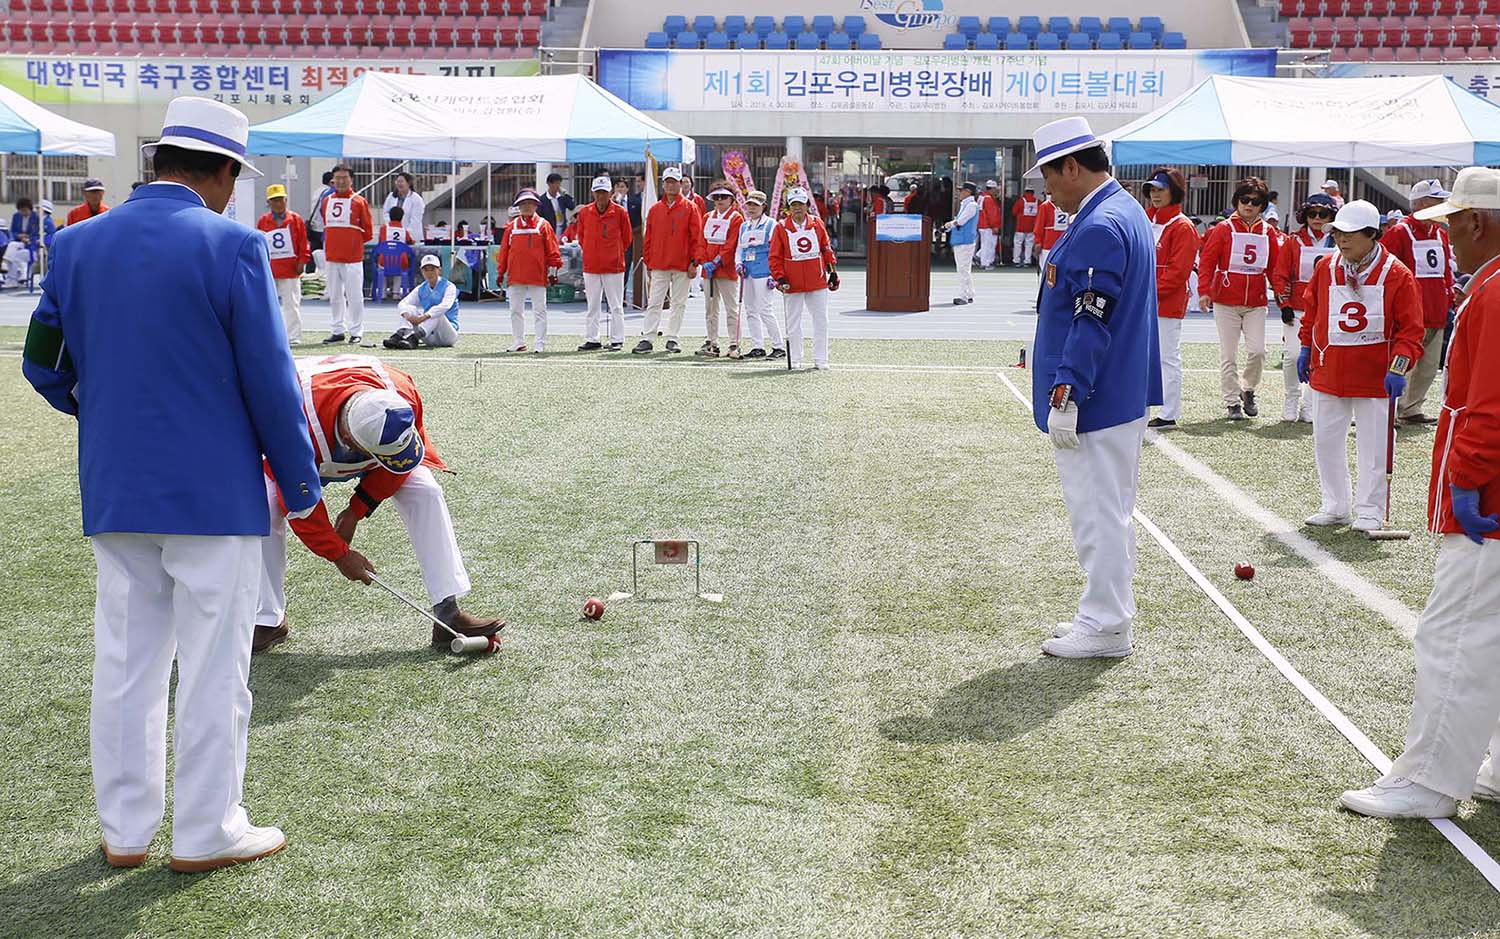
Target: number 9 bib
{"x": 804, "y": 245}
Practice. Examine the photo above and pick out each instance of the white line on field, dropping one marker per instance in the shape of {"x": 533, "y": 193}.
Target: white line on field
{"x": 1472, "y": 852}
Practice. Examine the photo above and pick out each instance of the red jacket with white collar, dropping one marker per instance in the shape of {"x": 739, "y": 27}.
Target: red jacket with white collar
{"x": 1236, "y": 262}
{"x": 674, "y": 235}
{"x": 527, "y": 250}
{"x": 1352, "y": 348}
{"x": 723, "y": 253}
{"x": 804, "y": 276}
{"x": 603, "y": 236}
{"x": 1294, "y": 267}
{"x": 1176, "y": 253}
{"x": 1466, "y": 451}
{"x": 1051, "y": 225}
{"x": 295, "y": 235}
{"x": 1433, "y": 269}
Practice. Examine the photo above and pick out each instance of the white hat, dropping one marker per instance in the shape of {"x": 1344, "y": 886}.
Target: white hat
{"x": 756, "y": 196}
{"x": 202, "y": 124}
{"x": 602, "y": 184}
{"x": 990, "y": 184}
{"x": 525, "y": 195}
{"x": 1427, "y": 189}
{"x": 384, "y": 425}
{"x": 1060, "y": 138}
{"x": 721, "y": 191}
{"x": 797, "y": 194}
{"x": 1477, "y": 187}
{"x": 1329, "y": 184}
{"x": 46, "y": 206}
{"x": 430, "y": 260}
{"x": 1395, "y": 215}
{"x": 1357, "y": 216}
{"x": 672, "y": 172}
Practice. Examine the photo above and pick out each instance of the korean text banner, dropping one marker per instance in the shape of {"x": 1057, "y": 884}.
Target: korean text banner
{"x": 1043, "y": 82}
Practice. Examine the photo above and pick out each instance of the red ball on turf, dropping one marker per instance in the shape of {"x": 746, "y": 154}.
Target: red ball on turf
{"x": 1244, "y": 570}
{"x": 593, "y": 608}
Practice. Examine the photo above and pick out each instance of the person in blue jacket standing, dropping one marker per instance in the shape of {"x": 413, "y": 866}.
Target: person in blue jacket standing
{"x": 963, "y": 237}
{"x": 171, "y": 436}
{"x": 1096, "y": 372}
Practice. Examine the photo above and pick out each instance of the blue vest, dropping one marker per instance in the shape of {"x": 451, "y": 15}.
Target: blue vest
{"x": 757, "y": 258}
{"x": 1096, "y": 315}
{"x": 430, "y": 297}
{"x": 968, "y": 232}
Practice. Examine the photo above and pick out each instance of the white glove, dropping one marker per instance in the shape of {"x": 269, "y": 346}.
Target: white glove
{"x": 1062, "y": 426}
{"x": 308, "y": 511}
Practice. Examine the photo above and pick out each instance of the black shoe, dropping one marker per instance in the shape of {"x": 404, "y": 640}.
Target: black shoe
{"x": 1250, "y": 409}
{"x": 1159, "y": 423}
{"x": 777, "y": 354}
{"x": 1235, "y": 413}
{"x": 615, "y": 347}
{"x": 959, "y": 301}
{"x": 755, "y": 354}
{"x": 336, "y": 337}
{"x": 355, "y": 340}
{"x": 708, "y": 349}
{"x": 590, "y": 347}
{"x": 642, "y": 347}
{"x": 672, "y": 346}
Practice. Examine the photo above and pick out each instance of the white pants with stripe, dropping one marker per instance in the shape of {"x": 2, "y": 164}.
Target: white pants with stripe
{"x": 599, "y": 289}
{"x": 1099, "y": 482}
{"x": 725, "y": 295}
{"x": 165, "y": 598}
{"x": 1331, "y": 417}
{"x": 1456, "y": 706}
{"x": 289, "y": 296}
{"x": 759, "y": 314}
{"x": 346, "y": 297}
{"x": 988, "y": 238}
{"x": 1169, "y": 332}
{"x": 813, "y": 303}
{"x": 517, "y": 293}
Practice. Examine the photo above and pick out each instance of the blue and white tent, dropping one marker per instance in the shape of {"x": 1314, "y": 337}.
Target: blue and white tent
{"x": 1229, "y": 121}
{"x": 27, "y": 127}
{"x": 532, "y": 119}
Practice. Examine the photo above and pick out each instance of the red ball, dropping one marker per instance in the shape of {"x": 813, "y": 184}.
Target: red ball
{"x": 1244, "y": 570}
{"x": 593, "y": 608}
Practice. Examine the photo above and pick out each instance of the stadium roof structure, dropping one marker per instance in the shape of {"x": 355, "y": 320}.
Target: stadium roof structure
{"x": 27, "y": 127}
{"x": 1343, "y": 122}
{"x": 517, "y": 119}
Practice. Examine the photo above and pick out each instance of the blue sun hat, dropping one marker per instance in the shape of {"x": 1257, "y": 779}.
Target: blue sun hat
{"x": 384, "y": 425}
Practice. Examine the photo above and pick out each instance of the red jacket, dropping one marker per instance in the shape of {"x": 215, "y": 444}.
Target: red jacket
{"x": 700, "y": 202}
{"x": 328, "y": 382}
{"x": 290, "y": 251}
{"x": 804, "y": 276}
{"x": 989, "y": 212}
{"x": 1024, "y": 208}
{"x": 604, "y": 237}
{"x": 81, "y": 213}
{"x": 1050, "y": 225}
{"x": 1176, "y": 253}
{"x": 674, "y": 236}
{"x": 348, "y": 226}
{"x": 1257, "y": 254}
{"x": 1294, "y": 267}
{"x": 723, "y": 253}
{"x": 527, "y": 250}
{"x": 1433, "y": 269}
{"x": 1350, "y": 367}
{"x": 1466, "y": 451}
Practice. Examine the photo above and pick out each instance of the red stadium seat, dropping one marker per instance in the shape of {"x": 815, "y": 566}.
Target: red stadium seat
{"x": 509, "y": 29}
{"x": 1369, "y": 31}
{"x": 1455, "y": 54}
{"x": 1439, "y": 30}
{"x": 486, "y": 36}
{"x": 1345, "y": 31}
{"x": 1416, "y": 30}
{"x": 1463, "y": 30}
{"x": 464, "y": 35}
{"x": 1290, "y": 8}
{"x": 1299, "y": 34}
{"x": 1383, "y": 54}
{"x": 1392, "y": 32}
{"x": 1407, "y": 54}
{"x": 1430, "y": 54}
{"x": 531, "y": 31}
{"x": 1446, "y": 7}
{"x": 1423, "y": 7}
{"x": 1486, "y": 30}
{"x": 1322, "y": 36}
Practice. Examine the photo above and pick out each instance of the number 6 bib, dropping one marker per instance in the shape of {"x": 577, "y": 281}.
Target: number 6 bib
{"x": 1357, "y": 320}
{"x": 1429, "y": 258}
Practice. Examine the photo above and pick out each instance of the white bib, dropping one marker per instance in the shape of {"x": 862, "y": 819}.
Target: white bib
{"x": 1429, "y": 258}
{"x": 804, "y": 244}
{"x": 1028, "y": 209}
{"x": 340, "y": 212}
{"x": 1357, "y": 320}
{"x": 1156, "y": 231}
{"x": 752, "y": 237}
{"x": 279, "y": 243}
{"x": 1308, "y": 259}
{"x": 716, "y": 229}
{"x": 1248, "y": 253}
{"x": 1059, "y": 220}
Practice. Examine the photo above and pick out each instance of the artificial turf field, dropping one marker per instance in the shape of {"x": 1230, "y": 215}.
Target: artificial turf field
{"x": 862, "y": 740}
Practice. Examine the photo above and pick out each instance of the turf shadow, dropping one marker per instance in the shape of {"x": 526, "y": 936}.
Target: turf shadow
{"x": 282, "y": 681}
{"x": 1258, "y": 428}
{"x": 86, "y": 898}
{"x": 1001, "y": 704}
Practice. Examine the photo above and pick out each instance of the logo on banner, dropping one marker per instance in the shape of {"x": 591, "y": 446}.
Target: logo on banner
{"x": 910, "y": 14}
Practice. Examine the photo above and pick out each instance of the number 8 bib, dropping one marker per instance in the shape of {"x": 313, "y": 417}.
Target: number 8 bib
{"x": 279, "y": 243}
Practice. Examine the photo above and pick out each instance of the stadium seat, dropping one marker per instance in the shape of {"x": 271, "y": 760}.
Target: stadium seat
{"x": 703, "y": 25}
{"x": 1439, "y": 30}
{"x": 1173, "y": 41}
{"x": 1463, "y": 30}
{"x": 718, "y": 39}
{"x": 1406, "y": 54}
{"x": 1152, "y": 25}
{"x": 1423, "y": 7}
{"x": 854, "y": 26}
{"x": 987, "y": 42}
{"x": 807, "y": 39}
{"x": 1078, "y": 41}
{"x": 1141, "y": 41}
{"x": 823, "y": 26}
{"x": 1048, "y": 42}
{"x": 778, "y": 41}
{"x": 1290, "y": 8}
{"x": 1111, "y": 42}
{"x": 869, "y": 42}
{"x": 838, "y": 39}
{"x": 1121, "y": 25}
{"x": 968, "y": 27}
{"x": 657, "y": 40}
{"x": 1486, "y": 30}
{"x": 1030, "y": 25}
{"x": 1322, "y": 34}
{"x": 1430, "y": 54}
{"x": 999, "y": 25}
{"x": 1360, "y": 54}
{"x": 1017, "y": 42}
{"x": 1339, "y": 55}
{"x": 763, "y": 26}
{"x": 794, "y": 25}
{"x": 1446, "y": 7}
{"x": 1090, "y": 25}
{"x": 673, "y": 25}
{"x": 1455, "y": 54}
{"x": 1060, "y": 26}
{"x": 1345, "y": 31}
{"x": 531, "y": 31}
{"x": 954, "y": 42}
{"x": 735, "y": 26}
{"x": 1382, "y": 54}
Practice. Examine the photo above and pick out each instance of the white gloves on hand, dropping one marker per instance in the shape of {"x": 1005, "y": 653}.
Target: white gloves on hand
{"x": 1062, "y": 426}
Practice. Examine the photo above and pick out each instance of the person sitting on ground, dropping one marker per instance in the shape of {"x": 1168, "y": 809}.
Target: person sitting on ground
{"x": 430, "y": 311}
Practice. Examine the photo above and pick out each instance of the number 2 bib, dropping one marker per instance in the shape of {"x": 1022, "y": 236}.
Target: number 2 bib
{"x": 804, "y": 245}
{"x": 716, "y": 230}
{"x": 1248, "y": 253}
{"x": 340, "y": 212}
{"x": 1429, "y": 258}
{"x": 1357, "y": 320}
{"x": 279, "y": 243}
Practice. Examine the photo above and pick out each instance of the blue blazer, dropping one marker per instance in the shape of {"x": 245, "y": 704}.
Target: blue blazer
{"x": 158, "y": 327}
{"x": 1096, "y": 315}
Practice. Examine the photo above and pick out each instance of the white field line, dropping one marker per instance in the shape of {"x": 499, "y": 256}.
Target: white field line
{"x": 1473, "y": 853}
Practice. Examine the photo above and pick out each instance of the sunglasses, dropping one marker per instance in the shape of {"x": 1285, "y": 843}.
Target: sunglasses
{"x": 1319, "y": 213}
{"x": 1251, "y": 200}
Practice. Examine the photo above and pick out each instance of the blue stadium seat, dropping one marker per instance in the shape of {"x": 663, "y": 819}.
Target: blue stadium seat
{"x": 1091, "y": 25}
{"x": 1030, "y": 25}
{"x": 1077, "y": 41}
{"x": 735, "y": 26}
{"x": 1141, "y": 41}
{"x": 823, "y": 26}
{"x": 1153, "y": 25}
{"x": 869, "y": 42}
{"x": 673, "y": 25}
{"x": 1017, "y": 42}
{"x": 954, "y": 42}
{"x": 987, "y": 42}
{"x": 1059, "y": 25}
{"x": 968, "y": 26}
{"x": 1049, "y": 42}
{"x": 1173, "y": 41}
{"x": 854, "y": 26}
{"x": 763, "y": 26}
{"x": 1111, "y": 42}
{"x": 807, "y": 39}
{"x": 658, "y": 40}
{"x": 1121, "y": 25}
{"x": 999, "y": 25}
{"x": 839, "y": 40}
{"x": 718, "y": 39}
{"x": 778, "y": 41}
{"x": 703, "y": 25}
{"x": 793, "y": 25}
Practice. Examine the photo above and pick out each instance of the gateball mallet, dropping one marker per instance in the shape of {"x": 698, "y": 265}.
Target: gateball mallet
{"x": 461, "y": 644}
{"x": 1386, "y": 532}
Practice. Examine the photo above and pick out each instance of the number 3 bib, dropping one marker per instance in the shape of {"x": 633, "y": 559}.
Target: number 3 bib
{"x": 1357, "y": 320}
{"x": 279, "y": 243}
{"x": 1248, "y": 253}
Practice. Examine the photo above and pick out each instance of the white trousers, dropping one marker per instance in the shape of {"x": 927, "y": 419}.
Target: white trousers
{"x": 162, "y": 598}
{"x": 1331, "y": 417}
{"x": 988, "y": 238}
{"x": 661, "y": 284}
{"x": 725, "y": 295}
{"x": 1041, "y": 260}
{"x": 599, "y": 289}
{"x": 1169, "y": 332}
{"x": 1234, "y": 322}
{"x": 1456, "y": 706}
{"x": 423, "y": 511}
{"x": 346, "y": 297}
{"x": 814, "y": 303}
{"x": 517, "y": 293}
{"x": 17, "y": 260}
{"x": 1022, "y": 246}
{"x": 439, "y": 332}
{"x": 1099, "y": 482}
{"x": 963, "y": 259}
{"x": 1291, "y": 347}
{"x": 289, "y": 295}
{"x": 1422, "y": 374}
{"x": 759, "y": 314}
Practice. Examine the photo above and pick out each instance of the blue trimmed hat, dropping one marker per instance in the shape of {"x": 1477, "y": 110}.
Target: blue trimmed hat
{"x": 384, "y": 425}
{"x": 1060, "y": 138}
{"x": 206, "y": 125}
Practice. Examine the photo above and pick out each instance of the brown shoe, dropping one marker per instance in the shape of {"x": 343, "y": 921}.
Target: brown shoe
{"x": 123, "y": 858}
{"x": 268, "y": 636}
{"x": 464, "y": 624}
{"x": 1419, "y": 418}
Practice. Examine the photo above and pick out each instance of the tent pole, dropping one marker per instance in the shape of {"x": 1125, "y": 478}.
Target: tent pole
{"x": 41, "y": 223}
{"x": 489, "y": 200}
{"x": 453, "y": 216}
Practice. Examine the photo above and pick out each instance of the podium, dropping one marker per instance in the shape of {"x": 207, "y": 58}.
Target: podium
{"x": 899, "y": 275}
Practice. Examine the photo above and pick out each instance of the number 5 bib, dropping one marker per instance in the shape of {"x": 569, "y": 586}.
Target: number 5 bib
{"x": 340, "y": 212}
{"x": 1248, "y": 253}
{"x": 1357, "y": 320}
{"x": 279, "y": 243}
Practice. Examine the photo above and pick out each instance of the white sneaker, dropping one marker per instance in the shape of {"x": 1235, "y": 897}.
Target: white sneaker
{"x": 1081, "y": 645}
{"x": 1289, "y": 411}
{"x": 1399, "y": 797}
{"x": 1062, "y": 629}
{"x": 1366, "y": 523}
{"x": 253, "y": 845}
{"x": 822, "y": 367}
{"x": 1327, "y": 520}
{"x": 1305, "y": 413}
{"x": 1484, "y": 792}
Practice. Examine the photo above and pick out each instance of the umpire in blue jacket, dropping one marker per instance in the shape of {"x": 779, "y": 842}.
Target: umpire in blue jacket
{"x": 1096, "y": 372}
{"x": 158, "y": 328}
